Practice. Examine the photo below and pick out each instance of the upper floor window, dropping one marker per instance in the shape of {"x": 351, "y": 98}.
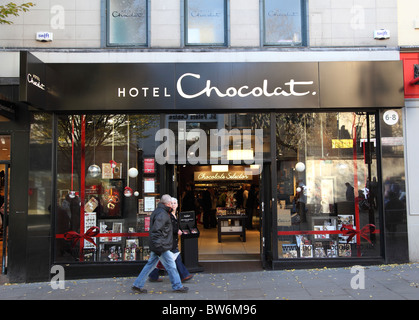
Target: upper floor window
{"x": 283, "y": 22}
{"x": 206, "y": 22}
{"x": 127, "y": 22}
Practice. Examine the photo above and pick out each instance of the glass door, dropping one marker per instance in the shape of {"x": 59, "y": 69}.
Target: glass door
{"x": 4, "y": 197}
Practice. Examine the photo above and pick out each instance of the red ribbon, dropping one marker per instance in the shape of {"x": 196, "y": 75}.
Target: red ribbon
{"x": 348, "y": 230}
{"x": 75, "y": 237}
{"x": 128, "y": 189}
{"x": 113, "y": 164}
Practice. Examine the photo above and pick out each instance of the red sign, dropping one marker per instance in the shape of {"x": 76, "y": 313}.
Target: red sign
{"x": 411, "y": 90}
{"x": 149, "y": 165}
{"x": 147, "y": 223}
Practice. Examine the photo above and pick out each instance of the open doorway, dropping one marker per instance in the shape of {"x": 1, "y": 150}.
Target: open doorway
{"x": 227, "y": 206}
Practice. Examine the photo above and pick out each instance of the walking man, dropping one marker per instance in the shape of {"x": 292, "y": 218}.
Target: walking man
{"x": 161, "y": 241}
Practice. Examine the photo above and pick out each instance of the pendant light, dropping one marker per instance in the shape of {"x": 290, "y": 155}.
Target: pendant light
{"x": 94, "y": 170}
{"x": 128, "y": 192}
{"x": 72, "y": 193}
{"x": 113, "y": 162}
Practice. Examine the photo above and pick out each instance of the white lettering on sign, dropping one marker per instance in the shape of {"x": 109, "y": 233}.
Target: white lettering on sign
{"x": 391, "y": 117}
{"x": 35, "y": 80}
{"x": 145, "y": 92}
{"x": 292, "y": 88}
{"x": 206, "y": 176}
{"x": 244, "y": 91}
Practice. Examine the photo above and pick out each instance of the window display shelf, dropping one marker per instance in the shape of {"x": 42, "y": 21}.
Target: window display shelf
{"x": 231, "y": 225}
{"x": 318, "y": 236}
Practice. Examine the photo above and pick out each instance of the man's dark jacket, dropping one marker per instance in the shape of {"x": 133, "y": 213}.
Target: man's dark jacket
{"x": 161, "y": 230}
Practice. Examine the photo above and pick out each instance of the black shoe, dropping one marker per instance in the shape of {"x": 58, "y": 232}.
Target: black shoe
{"x": 182, "y": 290}
{"x": 139, "y": 290}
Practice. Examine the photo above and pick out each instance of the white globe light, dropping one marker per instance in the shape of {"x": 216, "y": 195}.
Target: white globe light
{"x": 300, "y": 167}
{"x": 136, "y": 193}
{"x": 133, "y": 172}
{"x": 94, "y": 170}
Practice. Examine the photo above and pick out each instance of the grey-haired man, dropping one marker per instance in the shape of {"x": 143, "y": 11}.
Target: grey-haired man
{"x": 161, "y": 242}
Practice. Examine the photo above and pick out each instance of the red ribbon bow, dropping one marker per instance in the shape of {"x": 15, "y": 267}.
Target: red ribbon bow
{"x": 348, "y": 230}
{"x": 113, "y": 164}
{"x": 75, "y": 237}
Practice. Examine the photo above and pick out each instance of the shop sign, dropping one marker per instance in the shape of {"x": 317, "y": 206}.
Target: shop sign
{"x": 291, "y": 89}
{"x": 35, "y": 80}
{"x": 184, "y": 86}
{"x": 213, "y": 86}
{"x": 35, "y": 89}
{"x": 223, "y": 176}
{"x": 410, "y": 74}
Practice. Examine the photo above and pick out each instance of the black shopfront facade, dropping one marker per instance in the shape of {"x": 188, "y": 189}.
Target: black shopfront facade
{"x": 105, "y": 140}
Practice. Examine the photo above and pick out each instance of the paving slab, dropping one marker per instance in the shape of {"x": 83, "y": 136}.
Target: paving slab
{"x": 386, "y": 282}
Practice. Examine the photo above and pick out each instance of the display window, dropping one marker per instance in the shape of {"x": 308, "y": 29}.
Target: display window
{"x": 327, "y": 190}
{"x": 205, "y": 22}
{"x": 283, "y": 22}
{"x": 107, "y": 187}
{"x": 108, "y": 174}
{"x": 127, "y": 22}
{"x": 108, "y": 179}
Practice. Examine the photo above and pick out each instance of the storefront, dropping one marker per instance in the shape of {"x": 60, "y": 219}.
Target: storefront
{"x": 320, "y": 142}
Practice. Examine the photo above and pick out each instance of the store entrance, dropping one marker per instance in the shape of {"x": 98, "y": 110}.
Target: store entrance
{"x": 227, "y": 205}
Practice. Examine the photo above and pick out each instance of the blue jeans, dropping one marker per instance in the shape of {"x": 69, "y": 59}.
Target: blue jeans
{"x": 183, "y": 272}
{"x": 166, "y": 259}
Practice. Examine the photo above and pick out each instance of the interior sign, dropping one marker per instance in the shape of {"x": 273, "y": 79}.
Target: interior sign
{"x": 211, "y": 176}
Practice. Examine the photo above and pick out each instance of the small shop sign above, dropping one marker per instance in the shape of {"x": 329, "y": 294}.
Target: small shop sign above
{"x": 223, "y": 176}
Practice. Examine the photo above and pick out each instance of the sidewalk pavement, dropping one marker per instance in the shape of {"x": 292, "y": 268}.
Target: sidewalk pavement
{"x": 383, "y": 282}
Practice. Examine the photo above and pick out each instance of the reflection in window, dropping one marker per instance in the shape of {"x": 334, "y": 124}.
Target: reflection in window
{"x": 283, "y": 22}
{"x": 127, "y": 22}
{"x": 40, "y": 174}
{"x": 205, "y": 22}
{"x": 220, "y": 138}
{"x": 106, "y": 186}
{"x": 327, "y": 185}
